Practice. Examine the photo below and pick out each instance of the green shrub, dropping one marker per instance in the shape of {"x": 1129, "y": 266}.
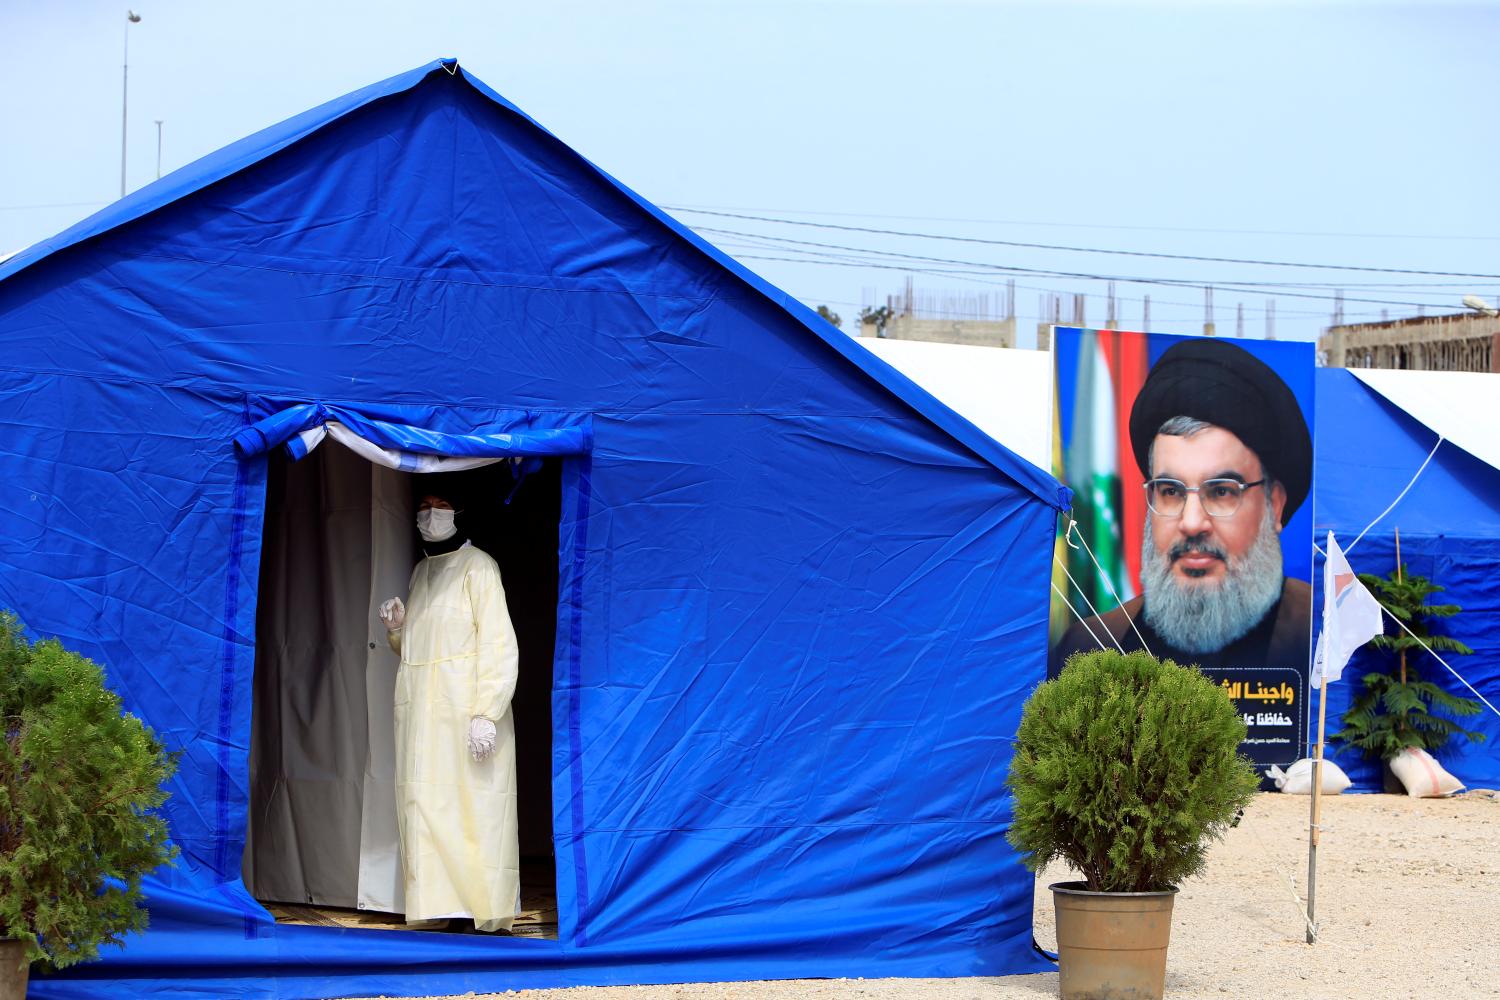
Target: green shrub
{"x": 1125, "y": 768}
{"x": 79, "y": 783}
{"x": 1398, "y": 709}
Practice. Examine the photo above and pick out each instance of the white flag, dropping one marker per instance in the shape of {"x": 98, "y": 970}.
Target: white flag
{"x": 1351, "y": 616}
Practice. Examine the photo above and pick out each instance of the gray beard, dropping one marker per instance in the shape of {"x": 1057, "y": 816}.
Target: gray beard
{"x": 1201, "y": 619}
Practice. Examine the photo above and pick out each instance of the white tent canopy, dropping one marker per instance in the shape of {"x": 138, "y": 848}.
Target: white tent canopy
{"x": 1004, "y": 392}
{"x": 1462, "y": 407}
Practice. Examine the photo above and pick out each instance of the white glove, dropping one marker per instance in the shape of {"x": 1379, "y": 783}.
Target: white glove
{"x": 393, "y": 614}
{"x": 481, "y": 737}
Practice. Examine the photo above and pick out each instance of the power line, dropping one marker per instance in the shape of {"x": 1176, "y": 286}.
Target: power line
{"x": 1011, "y": 269}
{"x": 766, "y": 242}
{"x": 962, "y": 275}
{"x": 1076, "y": 225}
{"x": 1072, "y": 249}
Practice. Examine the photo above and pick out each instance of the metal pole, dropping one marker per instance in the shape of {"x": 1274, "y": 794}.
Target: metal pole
{"x": 1321, "y": 667}
{"x": 124, "y": 104}
{"x": 131, "y": 17}
{"x": 158, "y": 148}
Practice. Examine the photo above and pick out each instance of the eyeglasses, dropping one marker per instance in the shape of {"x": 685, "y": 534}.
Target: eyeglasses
{"x": 1219, "y": 497}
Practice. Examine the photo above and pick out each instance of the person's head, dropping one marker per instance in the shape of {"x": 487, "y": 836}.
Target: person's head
{"x": 435, "y": 518}
{"x": 1227, "y": 458}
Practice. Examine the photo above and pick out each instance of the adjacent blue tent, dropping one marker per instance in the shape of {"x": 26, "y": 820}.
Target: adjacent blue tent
{"x": 1368, "y": 450}
{"x": 799, "y": 602}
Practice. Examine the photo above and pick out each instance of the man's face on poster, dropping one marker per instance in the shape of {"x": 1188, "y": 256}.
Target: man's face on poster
{"x": 1212, "y": 566}
{"x": 1199, "y": 546}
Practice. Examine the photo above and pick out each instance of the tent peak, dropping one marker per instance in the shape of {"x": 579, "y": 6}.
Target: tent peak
{"x": 253, "y": 149}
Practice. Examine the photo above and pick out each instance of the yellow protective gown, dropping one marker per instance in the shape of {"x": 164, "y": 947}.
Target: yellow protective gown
{"x": 457, "y": 816}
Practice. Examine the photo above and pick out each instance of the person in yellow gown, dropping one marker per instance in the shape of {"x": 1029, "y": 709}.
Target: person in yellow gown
{"x": 455, "y": 742}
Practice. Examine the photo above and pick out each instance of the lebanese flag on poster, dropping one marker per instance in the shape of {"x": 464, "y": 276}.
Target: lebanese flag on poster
{"x": 1093, "y": 468}
{"x": 1126, "y": 355}
{"x": 1351, "y": 616}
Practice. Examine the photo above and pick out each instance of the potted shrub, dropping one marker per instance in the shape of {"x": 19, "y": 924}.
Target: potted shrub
{"x": 79, "y": 783}
{"x": 1126, "y": 767}
{"x": 1398, "y": 709}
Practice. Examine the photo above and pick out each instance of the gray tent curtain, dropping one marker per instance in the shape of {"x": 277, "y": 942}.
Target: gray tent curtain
{"x": 322, "y": 826}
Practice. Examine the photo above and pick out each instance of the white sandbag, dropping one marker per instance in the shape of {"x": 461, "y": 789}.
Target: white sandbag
{"x": 1297, "y": 779}
{"x": 1423, "y": 777}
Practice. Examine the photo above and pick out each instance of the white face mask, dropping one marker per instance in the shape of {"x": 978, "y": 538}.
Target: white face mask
{"x": 435, "y": 525}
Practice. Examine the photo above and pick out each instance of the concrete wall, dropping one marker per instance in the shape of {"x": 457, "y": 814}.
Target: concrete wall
{"x": 977, "y": 333}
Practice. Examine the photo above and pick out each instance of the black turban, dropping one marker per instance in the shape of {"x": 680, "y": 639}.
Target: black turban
{"x": 1222, "y": 384}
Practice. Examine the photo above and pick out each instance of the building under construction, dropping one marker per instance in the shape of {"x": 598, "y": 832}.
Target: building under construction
{"x": 981, "y": 320}
{"x": 1462, "y": 342}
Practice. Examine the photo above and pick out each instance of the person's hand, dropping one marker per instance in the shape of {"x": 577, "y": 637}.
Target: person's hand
{"x": 481, "y": 738}
{"x": 393, "y": 614}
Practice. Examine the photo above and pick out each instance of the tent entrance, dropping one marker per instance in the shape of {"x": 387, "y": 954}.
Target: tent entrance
{"x": 338, "y": 539}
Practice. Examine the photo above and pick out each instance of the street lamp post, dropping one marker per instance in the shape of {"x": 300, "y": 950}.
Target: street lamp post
{"x": 131, "y": 17}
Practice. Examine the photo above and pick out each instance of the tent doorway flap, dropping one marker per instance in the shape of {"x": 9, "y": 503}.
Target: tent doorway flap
{"x": 404, "y": 438}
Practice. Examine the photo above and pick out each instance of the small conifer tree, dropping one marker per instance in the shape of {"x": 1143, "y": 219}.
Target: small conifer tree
{"x": 80, "y": 781}
{"x": 1398, "y": 709}
{"x": 1126, "y": 767}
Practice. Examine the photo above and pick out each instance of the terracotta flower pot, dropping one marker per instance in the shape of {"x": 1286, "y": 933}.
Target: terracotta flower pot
{"x": 15, "y": 970}
{"x": 1112, "y": 945}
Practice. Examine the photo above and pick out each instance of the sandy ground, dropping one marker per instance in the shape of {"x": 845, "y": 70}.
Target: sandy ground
{"x": 1408, "y": 907}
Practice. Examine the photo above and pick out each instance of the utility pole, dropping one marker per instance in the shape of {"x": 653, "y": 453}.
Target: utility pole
{"x": 1208, "y": 310}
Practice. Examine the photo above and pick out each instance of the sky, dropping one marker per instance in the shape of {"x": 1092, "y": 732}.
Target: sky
{"x": 1356, "y": 136}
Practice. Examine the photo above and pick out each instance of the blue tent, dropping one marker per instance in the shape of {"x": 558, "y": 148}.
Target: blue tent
{"x": 797, "y": 602}
{"x": 1368, "y": 450}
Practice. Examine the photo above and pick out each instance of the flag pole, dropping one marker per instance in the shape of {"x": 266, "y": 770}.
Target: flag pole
{"x": 1317, "y": 782}
{"x": 1312, "y": 829}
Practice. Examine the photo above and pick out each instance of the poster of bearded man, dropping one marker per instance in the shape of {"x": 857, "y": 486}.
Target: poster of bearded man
{"x": 1190, "y": 459}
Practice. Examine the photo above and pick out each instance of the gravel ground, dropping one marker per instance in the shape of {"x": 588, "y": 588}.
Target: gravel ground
{"x": 1408, "y": 907}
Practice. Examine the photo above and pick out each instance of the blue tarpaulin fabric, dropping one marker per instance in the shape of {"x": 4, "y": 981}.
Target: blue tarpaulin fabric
{"x": 523, "y": 436}
{"x": 800, "y": 601}
{"x": 1367, "y": 451}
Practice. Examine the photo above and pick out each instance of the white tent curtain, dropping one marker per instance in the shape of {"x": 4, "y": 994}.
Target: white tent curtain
{"x": 1006, "y": 393}
{"x": 381, "y": 886}
{"x": 390, "y": 458}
